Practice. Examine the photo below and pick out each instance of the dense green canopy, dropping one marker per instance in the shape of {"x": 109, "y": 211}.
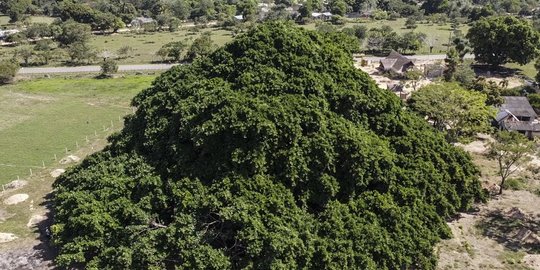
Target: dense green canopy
{"x": 272, "y": 153}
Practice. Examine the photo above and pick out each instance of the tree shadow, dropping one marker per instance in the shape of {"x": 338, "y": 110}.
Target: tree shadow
{"x": 500, "y": 71}
{"x": 45, "y": 250}
{"x": 513, "y": 229}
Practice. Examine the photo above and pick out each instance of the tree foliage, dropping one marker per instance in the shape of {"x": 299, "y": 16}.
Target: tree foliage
{"x": 109, "y": 67}
{"x": 201, "y": 46}
{"x": 499, "y": 40}
{"x": 172, "y": 50}
{"x": 273, "y": 152}
{"x": 71, "y": 32}
{"x": 8, "y": 70}
{"x": 453, "y": 109}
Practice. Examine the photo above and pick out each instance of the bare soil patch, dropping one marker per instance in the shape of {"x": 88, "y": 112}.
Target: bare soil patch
{"x": 4, "y": 215}
{"x": 15, "y": 184}
{"x": 57, "y": 172}
{"x": 7, "y": 237}
{"x": 69, "y": 159}
{"x": 35, "y": 219}
{"x": 15, "y": 199}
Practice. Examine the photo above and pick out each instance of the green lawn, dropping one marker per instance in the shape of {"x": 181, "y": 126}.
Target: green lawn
{"x": 527, "y": 70}
{"x": 41, "y": 118}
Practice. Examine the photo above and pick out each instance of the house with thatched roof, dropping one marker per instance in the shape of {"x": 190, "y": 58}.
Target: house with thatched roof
{"x": 396, "y": 63}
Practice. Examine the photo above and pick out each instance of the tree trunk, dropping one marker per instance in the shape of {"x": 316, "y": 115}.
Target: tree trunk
{"x": 502, "y": 184}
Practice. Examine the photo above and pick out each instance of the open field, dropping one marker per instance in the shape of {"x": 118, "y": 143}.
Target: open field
{"x": 44, "y": 117}
{"x": 4, "y": 20}
{"x": 145, "y": 45}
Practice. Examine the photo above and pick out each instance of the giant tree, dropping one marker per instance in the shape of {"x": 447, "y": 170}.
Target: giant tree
{"x": 499, "y": 40}
{"x": 273, "y": 152}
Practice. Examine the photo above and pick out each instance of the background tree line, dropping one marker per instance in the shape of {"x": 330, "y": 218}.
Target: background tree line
{"x": 110, "y": 14}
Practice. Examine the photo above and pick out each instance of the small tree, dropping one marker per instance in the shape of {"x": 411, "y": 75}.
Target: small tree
{"x": 452, "y": 61}
{"x": 71, "y": 32}
{"x": 201, "y": 46}
{"x": 413, "y": 76}
{"x": 8, "y": 70}
{"x": 172, "y": 50}
{"x": 80, "y": 53}
{"x": 464, "y": 75}
{"x": 510, "y": 150}
{"x": 491, "y": 89}
{"x": 410, "y": 23}
{"x": 124, "y": 51}
{"x": 25, "y": 53}
{"x": 109, "y": 67}
{"x": 44, "y": 49}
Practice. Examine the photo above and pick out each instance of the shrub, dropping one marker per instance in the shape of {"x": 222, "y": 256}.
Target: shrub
{"x": 109, "y": 67}
{"x": 8, "y": 70}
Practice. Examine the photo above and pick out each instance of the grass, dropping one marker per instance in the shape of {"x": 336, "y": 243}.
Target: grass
{"x": 146, "y": 45}
{"x": 4, "y": 20}
{"x": 527, "y": 70}
{"x": 515, "y": 184}
{"x": 514, "y": 260}
{"x": 41, "y": 118}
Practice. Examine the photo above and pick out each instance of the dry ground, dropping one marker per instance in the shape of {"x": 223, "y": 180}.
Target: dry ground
{"x": 481, "y": 239}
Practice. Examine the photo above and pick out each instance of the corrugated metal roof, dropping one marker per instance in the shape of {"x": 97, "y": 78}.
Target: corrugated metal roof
{"x": 518, "y": 106}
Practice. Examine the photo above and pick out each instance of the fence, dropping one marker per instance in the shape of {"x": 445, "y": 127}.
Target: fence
{"x": 86, "y": 141}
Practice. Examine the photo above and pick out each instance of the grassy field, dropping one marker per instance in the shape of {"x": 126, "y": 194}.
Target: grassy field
{"x": 4, "y": 20}
{"x": 527, "y": 70}
{"x": 41, "y": 118}
{"x": 145, "y": 45}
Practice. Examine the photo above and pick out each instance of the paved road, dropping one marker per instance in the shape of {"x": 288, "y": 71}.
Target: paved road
{"x": 92, "y": 69}
{"x": 420, "y": 57}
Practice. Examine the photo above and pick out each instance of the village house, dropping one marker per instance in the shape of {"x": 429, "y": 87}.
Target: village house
{"x": 517, "y": 114}
{"x": 5, "y": 33}
{"x": 395, "y": 63}
{"x": 139, "y": 22}
{"x": 323, "y": 16}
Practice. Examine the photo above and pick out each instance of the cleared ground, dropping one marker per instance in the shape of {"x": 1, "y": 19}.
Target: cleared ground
{"x": 41, "y": 118}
